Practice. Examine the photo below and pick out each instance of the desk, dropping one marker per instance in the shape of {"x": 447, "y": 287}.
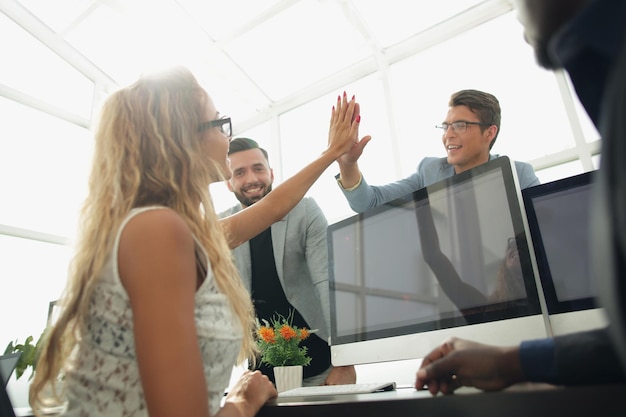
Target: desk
{"x": 535, "y": 401}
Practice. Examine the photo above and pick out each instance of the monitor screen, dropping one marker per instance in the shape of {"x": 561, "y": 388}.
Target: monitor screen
{"x": 6, "y": 407}
{"x": 449, "y": 259}
{"x": 8, "y": 362}
{"x": 559, "y": 219}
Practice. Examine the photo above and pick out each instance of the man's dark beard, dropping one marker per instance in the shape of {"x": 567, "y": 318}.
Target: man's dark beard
{"x": 246, "y": 202}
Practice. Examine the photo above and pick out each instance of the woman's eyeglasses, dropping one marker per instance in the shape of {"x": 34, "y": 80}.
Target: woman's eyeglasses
{"x": 224, "y": 123}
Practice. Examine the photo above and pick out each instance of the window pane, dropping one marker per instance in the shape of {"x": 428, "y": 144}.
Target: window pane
{"x": 303, "y": 47}
{"x": 32, "y": 274}
{"x": 590, "y": 132}
{"x": 304, "y": 135}
{"x": 596, "y": 161}
{"x": 392, "y": 21}
{"x": 44, "y": 167}
{"x": 30, "y": 67}
{"x": 494, "y": 58}
{"x": 560, "y": 171}
{"x": 57, "y": 14}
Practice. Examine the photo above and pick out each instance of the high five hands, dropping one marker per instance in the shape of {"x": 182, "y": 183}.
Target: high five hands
{"x": 345, "y": 119}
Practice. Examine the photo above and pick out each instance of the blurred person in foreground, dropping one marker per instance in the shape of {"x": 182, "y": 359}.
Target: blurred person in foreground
{"x": 587, "y": 39}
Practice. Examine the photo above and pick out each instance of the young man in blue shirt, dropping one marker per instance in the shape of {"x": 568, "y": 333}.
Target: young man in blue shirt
{"x": 469, "y": 131}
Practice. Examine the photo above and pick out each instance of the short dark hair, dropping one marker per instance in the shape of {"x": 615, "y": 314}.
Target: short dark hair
{"x": 243, "y": 144}
{"x": 485, "y": 105}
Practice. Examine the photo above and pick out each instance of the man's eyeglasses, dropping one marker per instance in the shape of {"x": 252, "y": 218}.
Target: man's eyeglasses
{"x": 225, "y": 125}
{"x": 511, "y": 243}
{"x": 516, "y": 242}
{"x": 459, "y": 127}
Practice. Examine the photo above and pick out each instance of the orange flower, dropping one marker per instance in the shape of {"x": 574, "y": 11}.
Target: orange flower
{"x": 287, "y": 332}
{"x": 278, "y": 342}
{"x": 267, "y": 334}
{"x": 304, "y": 333}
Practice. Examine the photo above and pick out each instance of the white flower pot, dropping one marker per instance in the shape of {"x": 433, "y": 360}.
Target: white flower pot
{"x": 288, "y": 377}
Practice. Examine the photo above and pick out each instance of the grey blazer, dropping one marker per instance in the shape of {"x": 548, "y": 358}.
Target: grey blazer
{"x": 301, "y": 257}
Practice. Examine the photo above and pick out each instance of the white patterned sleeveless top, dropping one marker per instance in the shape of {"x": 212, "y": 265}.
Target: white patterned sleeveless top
{"x": 104, "y": 379}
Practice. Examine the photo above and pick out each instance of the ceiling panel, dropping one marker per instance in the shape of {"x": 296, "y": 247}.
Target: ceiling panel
{"x": 303, "y": 44}
{"x": 58, "y": 14}
{"x": 233, "y": 93}
{"x": 22, "y": 61}
{"x": 392, "y": 21}
{"x": 126, "y": 41}
{"x": 252, "y": 55}
{"x": 224, "y": 19}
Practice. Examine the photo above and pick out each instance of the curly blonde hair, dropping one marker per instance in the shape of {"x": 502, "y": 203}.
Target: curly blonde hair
{"x": 148, "y": 151}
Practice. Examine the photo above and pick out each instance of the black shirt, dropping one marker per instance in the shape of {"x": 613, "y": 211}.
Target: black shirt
{"x": 269, "y": 300}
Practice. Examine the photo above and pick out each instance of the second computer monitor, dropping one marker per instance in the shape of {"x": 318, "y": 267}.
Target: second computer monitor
{"x": 559, "y": 220}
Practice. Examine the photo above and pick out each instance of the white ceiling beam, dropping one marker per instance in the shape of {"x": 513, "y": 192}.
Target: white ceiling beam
{"x": 30, "y": 23}
{"x": 34, "y": 235}
{"x": 43, "y": 106}
{"x": 567, "y": 155}
{"x": 449, "y": 28}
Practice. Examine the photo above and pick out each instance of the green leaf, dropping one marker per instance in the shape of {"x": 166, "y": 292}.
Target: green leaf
{"x": 10, "y": 348}
{"x": 30, "y": 354}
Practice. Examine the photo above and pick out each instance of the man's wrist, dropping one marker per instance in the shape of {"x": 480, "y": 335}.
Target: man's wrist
{"x": 354, "y": 187}
{"x": 513, "y": 366}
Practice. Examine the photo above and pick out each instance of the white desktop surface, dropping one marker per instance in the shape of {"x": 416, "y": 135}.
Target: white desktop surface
{"x": 536, "y": 400}
{"x": 28, "y": 412}
{"x": 576, "y": 321}
{"x": 399, "y": 393}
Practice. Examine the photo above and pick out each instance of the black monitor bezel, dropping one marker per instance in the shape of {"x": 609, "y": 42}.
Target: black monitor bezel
{"x": 514, "y": 198}
{"x": 553, "y": 304}
{"x": 11, "y": 359}
{"x": 6, "y": 407}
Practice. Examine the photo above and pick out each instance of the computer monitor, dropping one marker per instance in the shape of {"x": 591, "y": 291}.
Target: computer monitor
{"x": 8, "y": 362}
{"x": 6, "y": 407}
{"x": 558, "y": 215}
{"x": 453, "y": 258}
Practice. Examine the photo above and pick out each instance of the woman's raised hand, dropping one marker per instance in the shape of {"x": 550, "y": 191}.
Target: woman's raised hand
{"x": 344, "y": 126}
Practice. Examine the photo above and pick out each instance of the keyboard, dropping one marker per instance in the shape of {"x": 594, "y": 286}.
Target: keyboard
{"x": 363, "y": 388}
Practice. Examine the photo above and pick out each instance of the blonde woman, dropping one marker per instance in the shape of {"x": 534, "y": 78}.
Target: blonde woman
{"x": 154, "y": 314}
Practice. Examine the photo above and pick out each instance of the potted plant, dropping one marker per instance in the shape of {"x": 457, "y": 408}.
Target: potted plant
{"x": 279, "y": 345}
{"x": 29, "y": 355}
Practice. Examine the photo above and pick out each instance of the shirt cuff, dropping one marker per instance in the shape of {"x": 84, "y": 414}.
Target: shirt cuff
{"x": 538, "y": 361}
{"x": 354, "y": 187}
